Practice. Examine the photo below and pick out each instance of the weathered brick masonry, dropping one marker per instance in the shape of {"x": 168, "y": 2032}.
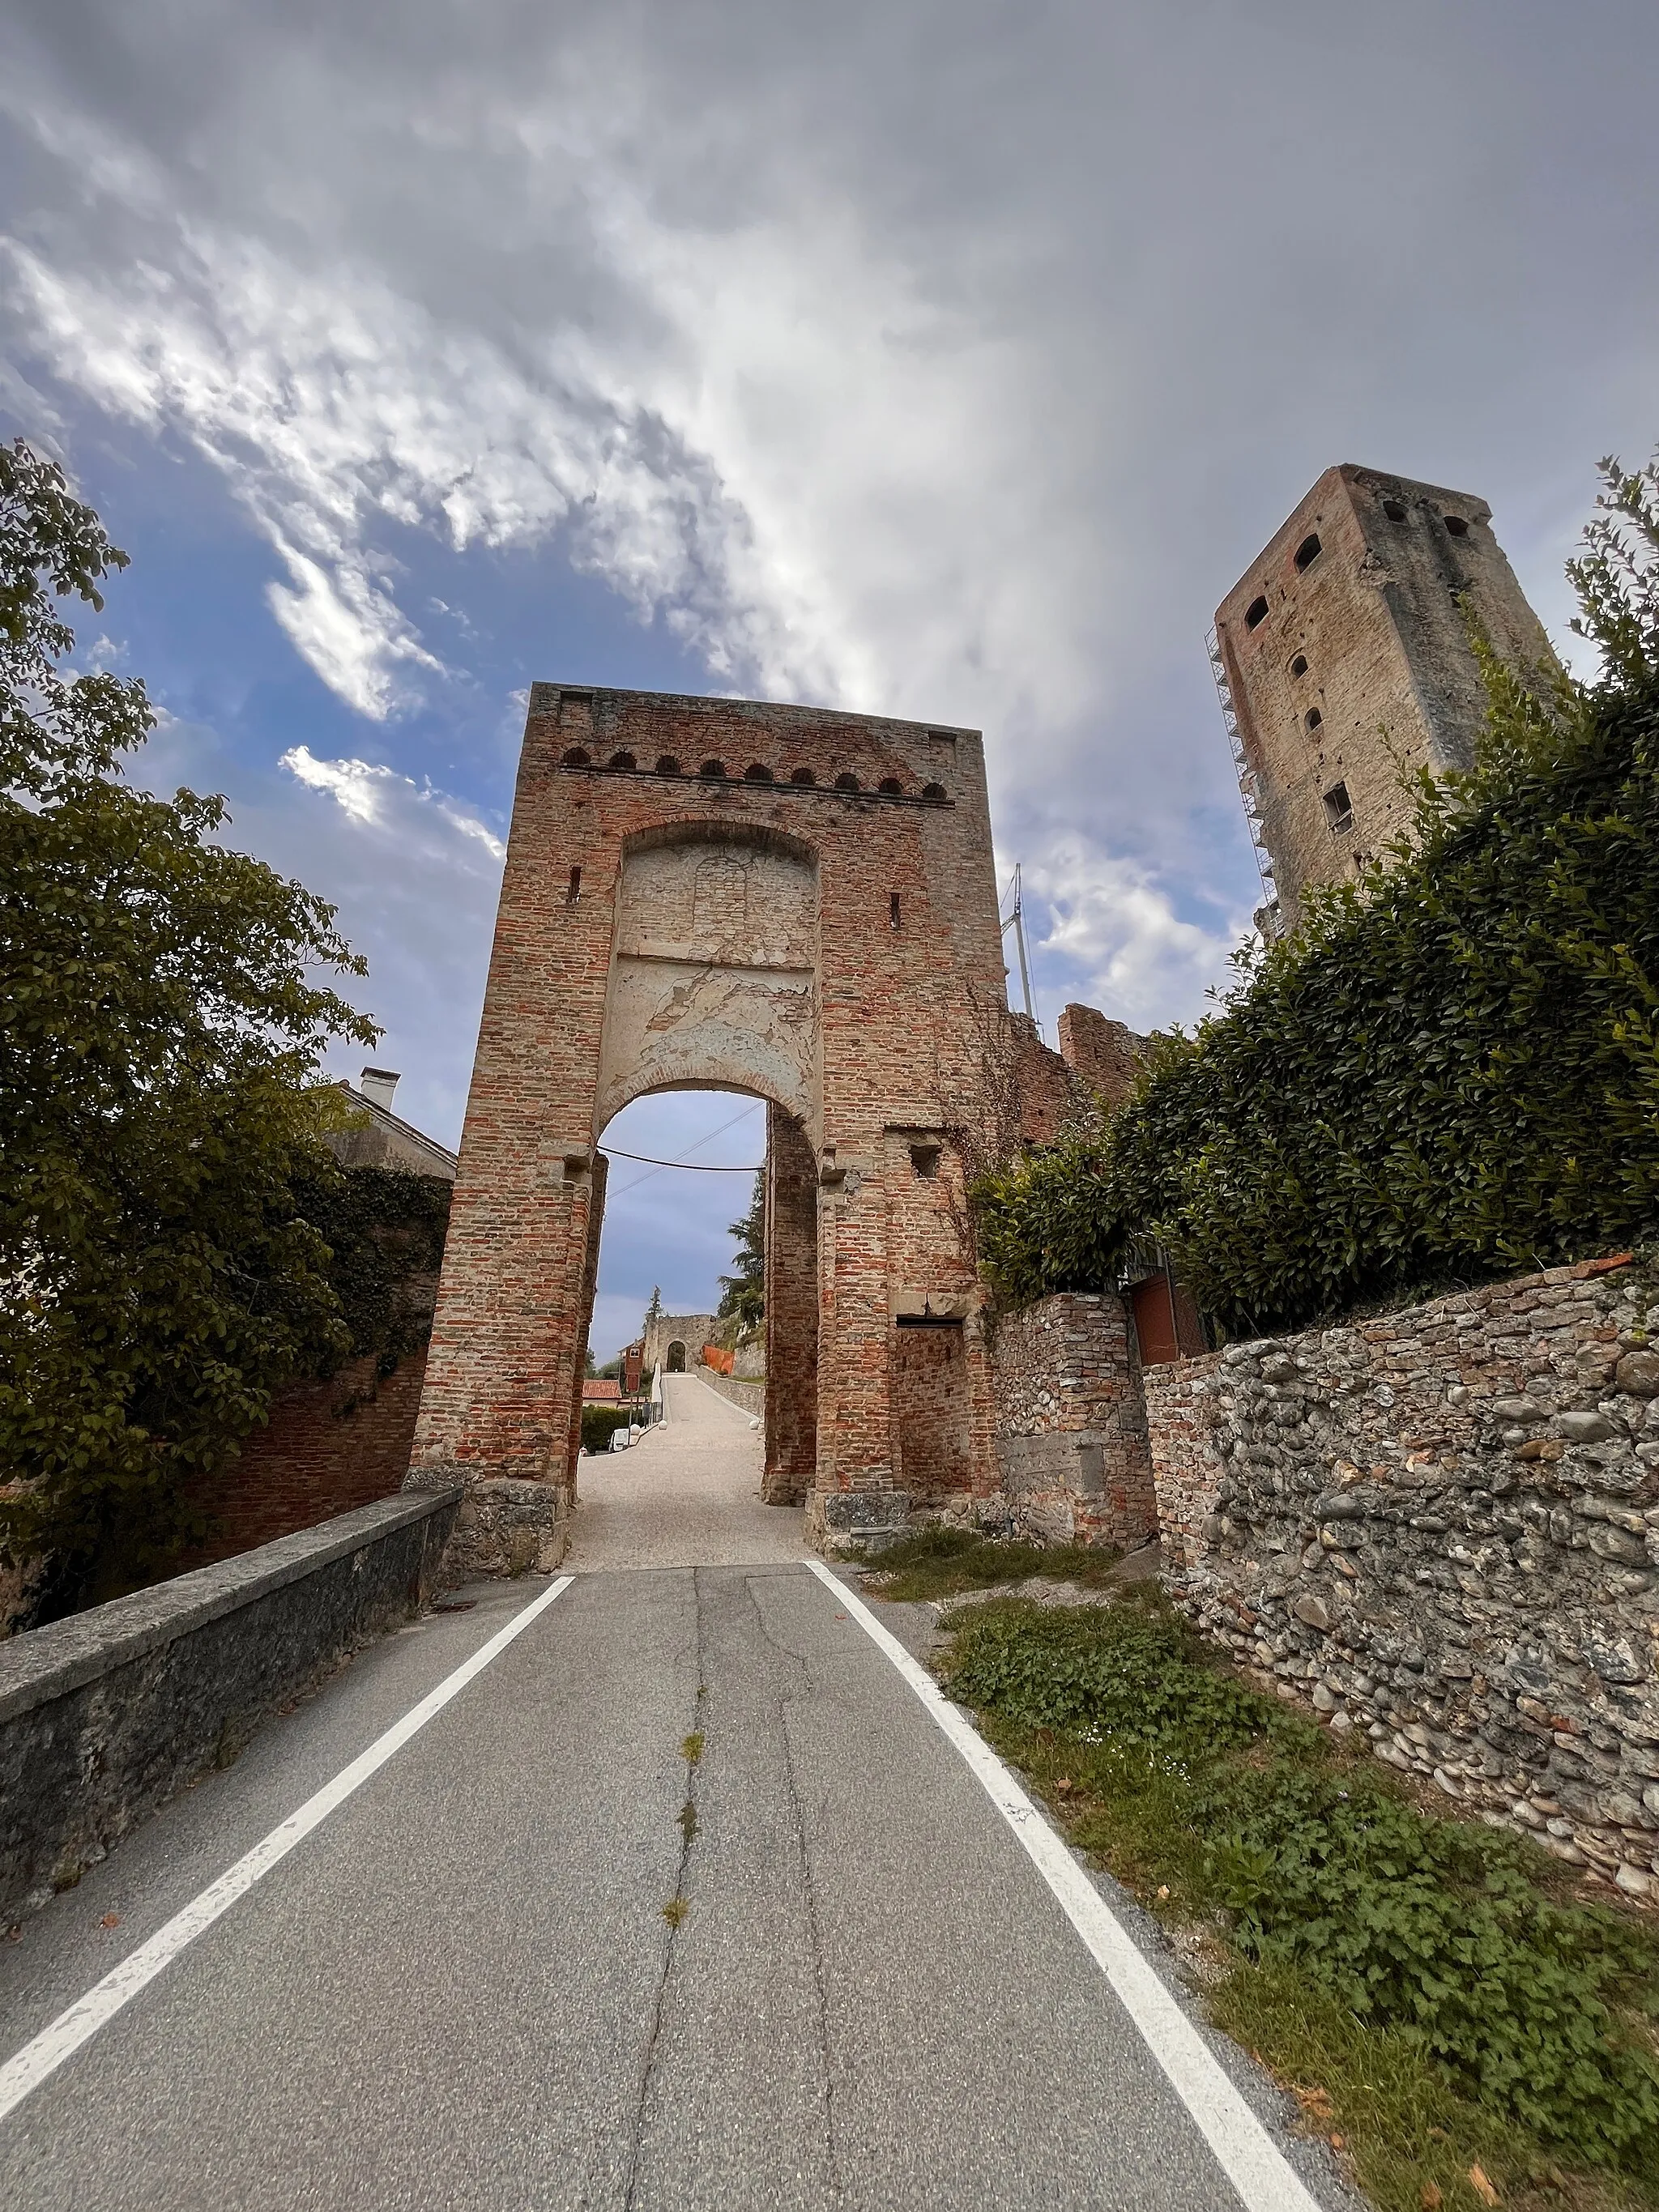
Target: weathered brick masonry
{"x": 706, "y": 892}
{"x": 1442, "y": 1526}
{"x": 1071, "y": 1427}
{"x": 329, "y": 1447}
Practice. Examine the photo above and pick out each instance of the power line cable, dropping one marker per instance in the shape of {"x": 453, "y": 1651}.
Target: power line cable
{"x": 657, "y": 1167}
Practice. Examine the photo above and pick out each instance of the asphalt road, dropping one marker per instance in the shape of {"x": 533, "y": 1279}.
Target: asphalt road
{"x": 462, "y": 1989}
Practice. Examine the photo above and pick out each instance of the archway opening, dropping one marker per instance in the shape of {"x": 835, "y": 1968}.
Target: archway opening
{"x": 706, "y": 1285}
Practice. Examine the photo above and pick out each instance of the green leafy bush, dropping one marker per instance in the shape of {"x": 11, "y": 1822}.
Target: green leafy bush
{"x": 1124, "y": 1672}
{"x": 1451, "y": 1070}
{"x": 1434, "y": 1926}
{"x": 1431, "y": 1930}
{"x": 600, "y": 1424}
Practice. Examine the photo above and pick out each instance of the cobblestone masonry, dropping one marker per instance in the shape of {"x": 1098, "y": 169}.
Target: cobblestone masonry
{"x": 710, "y": 892}
{"x": 1070, "y": 1433}
{"x": 1442, "y": 1526}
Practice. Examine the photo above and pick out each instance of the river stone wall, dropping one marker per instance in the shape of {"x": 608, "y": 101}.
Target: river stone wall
{"x": 108, "y": 1714}
{"x": 1441, "y": 1526}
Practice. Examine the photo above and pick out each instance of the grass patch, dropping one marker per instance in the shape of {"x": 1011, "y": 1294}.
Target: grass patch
{"x": 942, "y": 1562}
{"x": 1429, "y": 1986}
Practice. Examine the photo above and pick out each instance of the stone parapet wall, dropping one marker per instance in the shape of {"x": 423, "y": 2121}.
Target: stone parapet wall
{"x": 1070, "y": 1435}
{"x": 1441, "y": 1526}
{"x": 108, "y": 1714}
{"x": 750, "y": 1396}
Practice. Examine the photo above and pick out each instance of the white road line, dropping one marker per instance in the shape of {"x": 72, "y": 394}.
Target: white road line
{"x": 1247, "y": 2155}
{"x": 48, "y": 2051}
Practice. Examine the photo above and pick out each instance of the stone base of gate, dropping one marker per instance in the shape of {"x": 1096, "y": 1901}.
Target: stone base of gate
{"x": 856, "y": 1520}
{"x": 507, "y": 1527}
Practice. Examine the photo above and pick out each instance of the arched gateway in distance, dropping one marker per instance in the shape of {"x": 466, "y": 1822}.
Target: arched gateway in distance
{"x": 712, "y": 893}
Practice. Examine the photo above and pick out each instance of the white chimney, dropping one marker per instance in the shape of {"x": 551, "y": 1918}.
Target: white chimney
{"x": 378, "y": 1085}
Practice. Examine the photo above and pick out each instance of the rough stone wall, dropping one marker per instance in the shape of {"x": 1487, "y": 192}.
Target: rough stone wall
{"x": 1369, "y": 642}
{"x": 329, "y": 1447}
{"x": 892, "y": 834}
{"x": 1442, "y": 1526}
{"x": 1105, "y": 1055}
{"x": 1071, "y": 1433}
{"x": 108, "y": 1714}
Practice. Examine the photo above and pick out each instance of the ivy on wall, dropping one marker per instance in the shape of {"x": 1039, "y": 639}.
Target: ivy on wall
{"x": 385, "y": 1230}
{"x": 1452, "y": 1070}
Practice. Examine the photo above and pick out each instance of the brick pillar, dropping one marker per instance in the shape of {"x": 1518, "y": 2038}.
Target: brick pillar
{"x": 590, "y": 1285}
{"x": 792, "y": 1311}
{"x": 854, "y": 1497}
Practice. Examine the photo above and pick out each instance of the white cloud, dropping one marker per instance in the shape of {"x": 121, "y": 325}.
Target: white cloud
{"x": 381, "y": 798}
{"x": 915, "y": 359}
{"x": 1113, "y": 925}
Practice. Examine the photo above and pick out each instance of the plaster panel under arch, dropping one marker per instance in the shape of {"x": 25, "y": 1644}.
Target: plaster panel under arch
{"x": 713, "y": 981}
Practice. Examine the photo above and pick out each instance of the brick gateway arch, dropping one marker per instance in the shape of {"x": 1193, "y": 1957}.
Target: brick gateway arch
{"x": 714, "y": 893}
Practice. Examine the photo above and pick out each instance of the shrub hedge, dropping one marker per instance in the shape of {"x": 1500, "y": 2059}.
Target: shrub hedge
{"x": 1450, "y": 1071}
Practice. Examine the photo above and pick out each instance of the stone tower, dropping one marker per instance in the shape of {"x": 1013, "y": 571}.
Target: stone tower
{"x": 1343, "y": 659}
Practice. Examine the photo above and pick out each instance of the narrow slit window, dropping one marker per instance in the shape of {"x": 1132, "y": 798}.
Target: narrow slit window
{"x": 1338, "y": 810}
{"x": 1308, "y": 550}
{"x": 1256, "y": 614}
{"x": 893, "y": 916}
{"x": 575, "y": 890}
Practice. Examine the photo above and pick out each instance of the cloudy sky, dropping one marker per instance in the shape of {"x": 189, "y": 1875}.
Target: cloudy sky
{"x": 944, "y": 361}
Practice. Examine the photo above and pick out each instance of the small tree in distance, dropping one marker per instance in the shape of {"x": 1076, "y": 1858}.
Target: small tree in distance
{"x": 159, "y": 1037}
{"x": 743, "y": 1293}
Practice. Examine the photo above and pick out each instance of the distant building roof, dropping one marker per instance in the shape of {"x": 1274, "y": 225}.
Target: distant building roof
{"x": 601, "y": 1391}
{"x": 381, "y": 1140}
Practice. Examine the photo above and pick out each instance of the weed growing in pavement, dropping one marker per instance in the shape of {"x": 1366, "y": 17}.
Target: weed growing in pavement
{"x": 675, "y": 1910}
{"x": 692, "y": 1747}
{"x": 1402, "y": 1963}
{"x": 941, "y": 1562}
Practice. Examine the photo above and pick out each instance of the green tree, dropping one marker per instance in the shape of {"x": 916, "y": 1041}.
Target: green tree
{"x": 743, "y": 1293}
{"x": 160, "y": 1033}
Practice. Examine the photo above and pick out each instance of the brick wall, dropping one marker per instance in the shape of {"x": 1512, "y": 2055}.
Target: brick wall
{"x": 1441, "y": 1526}
{"x": 790, "y": 1393}
{"x": 329, "y": 1447}
{"x": 1070, "y": 1437}
{"x": 1105, "y": 1055}
{"x": 932, "y": 1411}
